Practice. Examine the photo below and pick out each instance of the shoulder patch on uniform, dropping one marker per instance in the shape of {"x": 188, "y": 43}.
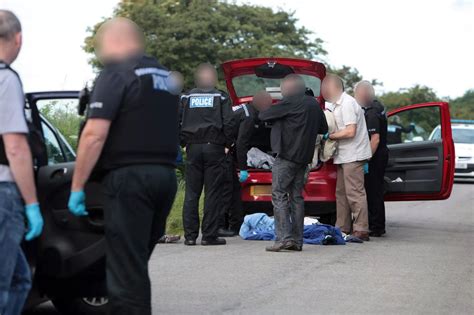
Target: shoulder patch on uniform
{"x": 96, "y": 105}
{"x": 241, "y": 106}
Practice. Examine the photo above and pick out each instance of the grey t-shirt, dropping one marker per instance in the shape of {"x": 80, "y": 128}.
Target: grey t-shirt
{"x": 12, "y": 112}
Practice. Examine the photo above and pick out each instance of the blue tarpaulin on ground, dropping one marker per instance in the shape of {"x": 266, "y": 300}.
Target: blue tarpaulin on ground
{"x": 259, "y": 226}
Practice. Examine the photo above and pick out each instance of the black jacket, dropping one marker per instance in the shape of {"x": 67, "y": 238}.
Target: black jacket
{"x": 297, "y": 120}
{"x": 250, "y": 131}
{"x": 206, "y": 117}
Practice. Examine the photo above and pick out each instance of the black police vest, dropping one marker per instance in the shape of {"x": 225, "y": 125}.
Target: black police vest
{"x": 145, "y": 131}
{"x": 202, "y": 120}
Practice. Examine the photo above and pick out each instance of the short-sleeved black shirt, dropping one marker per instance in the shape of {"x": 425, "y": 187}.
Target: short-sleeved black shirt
{"x": 113, "y": 89}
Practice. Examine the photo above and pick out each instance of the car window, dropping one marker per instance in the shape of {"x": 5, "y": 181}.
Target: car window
{"x": 53, "y": 148}
{"x": 250, "y": 84}
{"x": 415, "y": 125}
{"x": 62, "y": 114}
{"x": 463, "y": 135}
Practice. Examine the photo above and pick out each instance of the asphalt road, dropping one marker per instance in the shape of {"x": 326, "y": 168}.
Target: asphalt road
{"x": 424, "y": 265}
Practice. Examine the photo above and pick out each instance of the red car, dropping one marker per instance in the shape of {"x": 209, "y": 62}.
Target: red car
{"x": 418, "y": 169}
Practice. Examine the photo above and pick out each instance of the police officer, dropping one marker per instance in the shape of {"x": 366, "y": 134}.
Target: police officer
{"x": 396, "y": 129}
{"x": 376, "y": 120}
{"x": 250, "y": 131}
{"x": 18, "y": 199}
{"x": 207, "y": 134}
{"x": 131, "y": 136}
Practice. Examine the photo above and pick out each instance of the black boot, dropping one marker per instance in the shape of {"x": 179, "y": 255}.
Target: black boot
{"x": 213, "y": 241}
{"x": 225, "y": 233}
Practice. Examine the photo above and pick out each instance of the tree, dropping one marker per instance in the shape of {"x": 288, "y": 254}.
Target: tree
{"x": 350, "y": 76}
{"x": 463, "y": 107}
{"x": 185, "y": 33}
{"x": 63, "y": 116}
{"x": 414, "y": 95}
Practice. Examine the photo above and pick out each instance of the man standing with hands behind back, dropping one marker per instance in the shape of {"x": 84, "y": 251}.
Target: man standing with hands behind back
{"x": 17, "y": 185}
{"x": 132, "y": 135}
{"x": 353, "y": 153}
{"x": 207, "y": 132}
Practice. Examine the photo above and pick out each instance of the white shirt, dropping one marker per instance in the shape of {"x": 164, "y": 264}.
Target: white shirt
{"x": 348, "y": 112}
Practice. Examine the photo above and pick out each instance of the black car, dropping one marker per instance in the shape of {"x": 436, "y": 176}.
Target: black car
{"x": 68, "y": 260}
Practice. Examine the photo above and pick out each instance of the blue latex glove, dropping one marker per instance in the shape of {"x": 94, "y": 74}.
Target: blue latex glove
{"x": 326, "y": 136}
{"x": 77, "y": 203}
{"x": 243, "y": 176}
{"x": 366, "y": 168}
{"x": 35, "y": 221}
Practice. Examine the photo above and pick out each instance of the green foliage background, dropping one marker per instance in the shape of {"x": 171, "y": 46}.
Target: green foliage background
{"x": 184, "y": 33}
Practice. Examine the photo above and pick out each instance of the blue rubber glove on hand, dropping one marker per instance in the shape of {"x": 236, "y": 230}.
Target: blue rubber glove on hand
{"x": 326, "y": 136}
{"x": 366, "y": 168}
{"x": 35, "y": 221}
{"x": 77, "y": 203}
{"x": 243, "y": 176}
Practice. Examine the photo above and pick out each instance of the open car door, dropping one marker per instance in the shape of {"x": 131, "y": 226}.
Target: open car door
{"x": 70, "y": 252}
{"x": 421, "y": 153}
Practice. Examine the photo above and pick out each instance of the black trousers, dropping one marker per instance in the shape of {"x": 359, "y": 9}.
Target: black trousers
{"x": 374, "y": 186}
{"x": 231, "y": 216}
{"x": 137, "y": 202}
{"x": 204, "y": 168}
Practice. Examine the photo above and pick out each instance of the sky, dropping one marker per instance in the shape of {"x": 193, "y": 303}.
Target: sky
{"x": 398, "y": 42}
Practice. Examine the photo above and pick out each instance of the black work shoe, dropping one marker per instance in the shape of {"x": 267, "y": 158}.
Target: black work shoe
{"x": 225, "y": 233}
{"x": 214, "y": 241}
{"x": 376, "y": 233}
{"x": 189, "y": 242}
{"x": 279, "y": 246}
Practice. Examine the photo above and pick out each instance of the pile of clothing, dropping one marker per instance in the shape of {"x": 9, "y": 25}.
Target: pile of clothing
{"x": 259, "y": 226}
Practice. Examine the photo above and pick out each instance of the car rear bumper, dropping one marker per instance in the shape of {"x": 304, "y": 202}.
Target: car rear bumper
{"x": 319, "y": 191}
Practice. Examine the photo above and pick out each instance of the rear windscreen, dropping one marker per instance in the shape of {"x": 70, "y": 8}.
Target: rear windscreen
{"x": 463, "y": 135}
{"x": 250, "y": 84}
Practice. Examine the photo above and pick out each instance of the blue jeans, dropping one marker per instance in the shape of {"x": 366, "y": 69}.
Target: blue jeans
{"x": 15, "y": 277}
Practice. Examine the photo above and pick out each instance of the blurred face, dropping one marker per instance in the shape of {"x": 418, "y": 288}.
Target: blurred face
{"x": 118, "y": 40}
{"x": 288, "y": 87}
{"x": 11, "y": 48}
{"x": 262, "y": 101}
{"x": 363, "y": 95}
{"x": 329, "y": 89}
{"x": 206, "y": 78}
{"x": 175, "y": 82}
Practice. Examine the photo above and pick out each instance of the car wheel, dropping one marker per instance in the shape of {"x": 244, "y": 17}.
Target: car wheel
{"x": 81, "y": 306}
